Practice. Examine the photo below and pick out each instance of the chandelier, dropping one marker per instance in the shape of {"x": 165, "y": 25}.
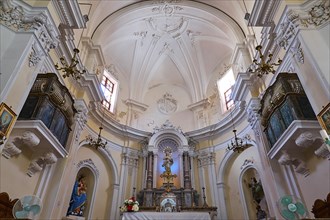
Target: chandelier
{"x": 98, "y": 142}
{"x": 264, "y": 66}
{"x": 237, "y": 145}
{"x": 70, "y": 70}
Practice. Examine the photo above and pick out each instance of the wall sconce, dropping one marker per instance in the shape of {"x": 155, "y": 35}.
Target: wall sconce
{"x": 264, "y": 66}
{"x": 70, "y": 70}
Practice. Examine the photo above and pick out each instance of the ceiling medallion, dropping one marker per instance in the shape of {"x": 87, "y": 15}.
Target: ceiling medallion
{"x": 167, "y": 104}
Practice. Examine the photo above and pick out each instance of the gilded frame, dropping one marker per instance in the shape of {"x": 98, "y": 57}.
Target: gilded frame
{"x": 7, "y": 119}
{"x": 324, "y": 118}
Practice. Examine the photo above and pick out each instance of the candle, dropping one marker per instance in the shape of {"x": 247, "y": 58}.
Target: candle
{"x": 324, "y": 134}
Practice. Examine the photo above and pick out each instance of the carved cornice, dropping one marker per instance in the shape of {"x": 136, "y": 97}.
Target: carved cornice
{"x": 18, "y": 16}
{"x": 312, "y": 15}
{"x": 70, "y": 14}
{"x": 263, "y": 12}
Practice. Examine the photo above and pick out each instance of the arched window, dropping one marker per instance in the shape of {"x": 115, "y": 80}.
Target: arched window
{"x": 225, "y": 84}
{"x": 109, "y": 86}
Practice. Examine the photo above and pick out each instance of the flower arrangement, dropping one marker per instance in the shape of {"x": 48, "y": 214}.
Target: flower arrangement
{"x": 130, "y": 205}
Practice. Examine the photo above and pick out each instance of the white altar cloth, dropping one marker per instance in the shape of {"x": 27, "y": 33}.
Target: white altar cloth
{"x": 166, "y": 216}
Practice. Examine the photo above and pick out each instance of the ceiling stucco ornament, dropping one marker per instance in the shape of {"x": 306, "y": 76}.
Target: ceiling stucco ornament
{"x": 167, "y": 126}
{"x": 173, "y": 26}
{"x": 167, "y": 104}
{"x": 167, "y": 8}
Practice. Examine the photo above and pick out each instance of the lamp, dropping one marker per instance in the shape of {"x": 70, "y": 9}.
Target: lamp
{"x": 237, "y": 145}
{"x": 264, "y": 66}
{"x": 70, "y": 70}
{"x": 98, "y": 142}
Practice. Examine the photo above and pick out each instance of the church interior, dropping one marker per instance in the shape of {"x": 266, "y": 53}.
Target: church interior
{"x": 164, "y": 109}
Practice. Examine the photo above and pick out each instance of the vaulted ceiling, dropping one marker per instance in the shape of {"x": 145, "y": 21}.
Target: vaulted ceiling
{"x": 172, "y": 43}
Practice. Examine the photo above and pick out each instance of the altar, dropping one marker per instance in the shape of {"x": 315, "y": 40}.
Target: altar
{"x": 166, "y": 216}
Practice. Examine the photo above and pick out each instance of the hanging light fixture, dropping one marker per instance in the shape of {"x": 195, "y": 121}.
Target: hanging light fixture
{"x": 237, "y": 145}
{"x": 98, "y": 142}
{"x": 264, "y": 66}
{"x": 70, "y": 70}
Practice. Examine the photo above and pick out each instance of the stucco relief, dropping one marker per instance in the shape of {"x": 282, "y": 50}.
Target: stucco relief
{"x": 315, "y": 16}
{"x": 167, "y": 104}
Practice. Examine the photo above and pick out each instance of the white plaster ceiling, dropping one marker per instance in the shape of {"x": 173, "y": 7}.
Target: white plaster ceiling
{"x": 167, "y": 42}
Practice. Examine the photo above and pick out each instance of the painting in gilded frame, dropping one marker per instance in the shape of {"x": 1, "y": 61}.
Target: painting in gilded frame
{"x": 7, "y": 119}
{"x": 324, "y": 118}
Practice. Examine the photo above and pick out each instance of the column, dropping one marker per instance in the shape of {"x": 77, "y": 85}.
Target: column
{"x": 186, "y": 172}
{"x": 155, "y": 170}
{"x": 150, "y": 170}
{"x": 268, "y": 176}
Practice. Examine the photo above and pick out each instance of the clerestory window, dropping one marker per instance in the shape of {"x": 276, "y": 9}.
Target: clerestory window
{"x": 109, "y": 86}
{"x": 225, "y": 84}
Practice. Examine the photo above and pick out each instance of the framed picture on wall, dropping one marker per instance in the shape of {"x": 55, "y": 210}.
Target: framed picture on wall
{"x": 7, "y": 119}
{"x": 324, "y": 118}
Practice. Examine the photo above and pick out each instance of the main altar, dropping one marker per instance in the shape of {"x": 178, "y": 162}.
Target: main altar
{"x": 169, "y": 193}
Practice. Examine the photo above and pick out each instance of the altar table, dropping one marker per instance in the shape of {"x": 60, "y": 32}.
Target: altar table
{"x": 166, "y": 216}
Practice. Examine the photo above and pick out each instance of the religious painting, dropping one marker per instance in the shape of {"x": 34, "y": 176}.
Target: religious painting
{"x": 7, "y": 119}
{"x": 324, "y": 118}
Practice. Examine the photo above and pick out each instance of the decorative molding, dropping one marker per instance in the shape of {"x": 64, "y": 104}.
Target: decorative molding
{"x": 167, "y": 126}
{"x": 297, "y": 52}
{"x": 206, "y": 158}
{"x": 252, "y": 110}
{"x": 166, "y": 7}
{"x": 80, "y": 117}
{"x": 168, "y": 143}
{"x": 38, "y": 164}
{"x": 10, "y": 150}
{"x": 167, "y": 104}
{"x": 247, "y": 162}
{"x": 313, "y": 16}
{"x": 21, "y": 17}
{"x": 298, "y": 164}
{"x": 88, "y": 163}
{"x": 70, "y": 14}
{"x": 317, "y": 15}
{"x": 323, "y": 151}
{"x": 305, "y": 140}
{"x": 131, "y": 159}
{"x": 35, "y": 55}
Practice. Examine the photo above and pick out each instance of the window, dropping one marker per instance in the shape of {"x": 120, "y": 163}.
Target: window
{"x": 225, "y": 89}
{"x": 109, "y": 88}
{"x": 228, "y": 101}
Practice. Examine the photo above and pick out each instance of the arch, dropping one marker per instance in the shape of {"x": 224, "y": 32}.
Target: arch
{"x": 114, "y": 175}
{"x": 92, "y": 180}
{"x": 170, "y": 134}
{"x": 241, "y": 190}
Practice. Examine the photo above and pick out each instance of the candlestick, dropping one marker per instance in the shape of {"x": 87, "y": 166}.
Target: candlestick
{"x": 204, "y": 197}
{"x": 325, "y": 138}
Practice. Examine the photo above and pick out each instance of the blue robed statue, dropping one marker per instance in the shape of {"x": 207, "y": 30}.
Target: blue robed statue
{"x": 78, "y": 198}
